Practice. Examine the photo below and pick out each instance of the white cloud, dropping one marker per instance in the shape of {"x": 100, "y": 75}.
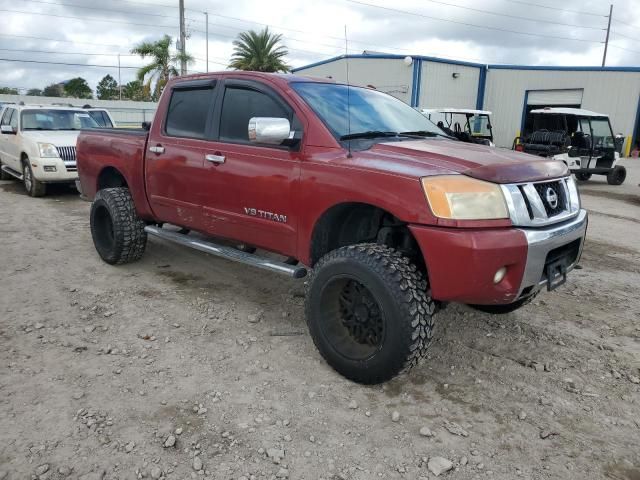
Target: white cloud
{"x": 312, "y": 31}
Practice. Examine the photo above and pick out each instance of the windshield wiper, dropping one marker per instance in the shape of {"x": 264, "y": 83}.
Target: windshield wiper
{"x": 427, "y": 133}
{"x": 368, "y": 134}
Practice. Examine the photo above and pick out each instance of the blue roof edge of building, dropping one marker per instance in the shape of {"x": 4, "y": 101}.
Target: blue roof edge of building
{"x": 471, "y": 64}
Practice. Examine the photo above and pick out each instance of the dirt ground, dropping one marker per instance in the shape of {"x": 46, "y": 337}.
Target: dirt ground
{"x": 185, "y": 366}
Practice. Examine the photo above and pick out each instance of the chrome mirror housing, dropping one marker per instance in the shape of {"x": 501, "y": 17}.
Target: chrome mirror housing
{"x": 269, "y": 130}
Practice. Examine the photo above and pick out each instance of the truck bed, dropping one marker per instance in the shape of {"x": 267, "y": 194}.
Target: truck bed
{"x": 102, "y": 152}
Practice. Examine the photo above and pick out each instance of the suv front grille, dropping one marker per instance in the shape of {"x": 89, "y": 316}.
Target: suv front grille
{"x": 68, "y": 156}
{"x": 537, "y": 204}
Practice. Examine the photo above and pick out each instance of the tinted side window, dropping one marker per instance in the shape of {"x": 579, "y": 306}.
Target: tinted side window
{"x": 188, "y": 112}
{"x": 239, "y": 105}
{"x": 14, "y": 120}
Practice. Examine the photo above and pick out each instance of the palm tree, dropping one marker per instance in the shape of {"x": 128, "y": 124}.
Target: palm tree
{"x": 259, "y": 51}
{"x": 163, "y": 66}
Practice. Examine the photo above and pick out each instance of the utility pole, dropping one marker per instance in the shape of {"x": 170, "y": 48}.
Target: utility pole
{"x": 206, "y": 22}
{"x": 606, "y": 41}
{"x": 119, "y": 78}
{"x": 183, "y": 38}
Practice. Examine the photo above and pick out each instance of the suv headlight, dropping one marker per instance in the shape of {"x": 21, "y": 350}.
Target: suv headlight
{"x": 48, "y": 150}
{"x": 457, "y": 197}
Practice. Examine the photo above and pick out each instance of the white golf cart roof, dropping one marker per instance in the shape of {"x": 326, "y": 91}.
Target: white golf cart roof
{"x": 569, "y": 111}
{"x": 426, "y": 111}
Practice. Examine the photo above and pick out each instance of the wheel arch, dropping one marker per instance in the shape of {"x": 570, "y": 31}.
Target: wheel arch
{"x": 349, "y": 223}
{"x": 110, "y": 177}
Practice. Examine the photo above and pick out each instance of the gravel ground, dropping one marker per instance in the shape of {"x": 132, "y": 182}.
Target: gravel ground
{"x": 184, "y": 366}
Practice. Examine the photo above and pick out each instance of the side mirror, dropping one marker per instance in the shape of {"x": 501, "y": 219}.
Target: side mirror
{"x": 146, "y": 126}
{"x": 269, "y": 130}
{"x": 7, "y": 130}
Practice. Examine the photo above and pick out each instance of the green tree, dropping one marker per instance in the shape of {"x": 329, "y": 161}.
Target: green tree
{"x": 108, "y": 89}
{"x": 53, "y": 90}
{"x": 34, "y": 92}
{"x": 259, "y": 51}
{"x": 163, "y": 66}
{"x": 78, "y": 88}
{"x": 8, "y": 91}
{"x": 134, "y": 90}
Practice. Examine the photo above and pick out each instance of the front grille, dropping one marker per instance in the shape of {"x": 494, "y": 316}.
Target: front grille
{"x": 68, "y": 156}
{"x": 553, "y": 196}
{"x": 536, "y": 204}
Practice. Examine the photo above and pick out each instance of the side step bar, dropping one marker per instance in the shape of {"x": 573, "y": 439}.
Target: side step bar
{"x": 229, "y": 253}
{"x": 12, "y": 172}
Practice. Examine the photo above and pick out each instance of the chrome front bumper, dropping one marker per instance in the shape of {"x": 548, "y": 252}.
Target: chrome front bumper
{"x": 542, "y": 241}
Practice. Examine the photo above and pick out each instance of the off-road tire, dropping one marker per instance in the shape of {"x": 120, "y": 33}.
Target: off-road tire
{"x": 617, "y": 176}
{"x": 582, "y": 177}
{"x": 400, "y": 291}
{"x": 117, "y": 231}
{"x": 504, "y": 309}
{"x": 33, "y": 187}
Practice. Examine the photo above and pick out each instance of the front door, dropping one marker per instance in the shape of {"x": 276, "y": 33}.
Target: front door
{"x": 176, "y": 154}
{"x": 249, "y": 198}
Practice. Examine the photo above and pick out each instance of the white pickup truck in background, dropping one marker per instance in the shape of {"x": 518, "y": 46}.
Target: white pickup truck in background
{"x": 38, "y": 144}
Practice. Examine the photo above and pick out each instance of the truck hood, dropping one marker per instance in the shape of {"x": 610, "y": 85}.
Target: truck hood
{"x": 59, "y": 138}
{"x": 438, "y": 157}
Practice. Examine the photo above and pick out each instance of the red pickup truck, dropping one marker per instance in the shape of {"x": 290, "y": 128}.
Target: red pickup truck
{"x": 392, "y": 218}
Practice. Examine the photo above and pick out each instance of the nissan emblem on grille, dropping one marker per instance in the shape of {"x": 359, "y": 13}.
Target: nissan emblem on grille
{"x": 551, "y": 197}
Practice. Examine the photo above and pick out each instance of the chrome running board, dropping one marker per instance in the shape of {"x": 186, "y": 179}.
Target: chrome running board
{"x": 229, "y": 253}
{"x": 12, "y": 172}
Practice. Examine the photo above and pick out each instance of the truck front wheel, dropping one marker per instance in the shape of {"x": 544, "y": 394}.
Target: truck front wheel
{"x": 369, "y": 312}
{"x": 117, "y": 231}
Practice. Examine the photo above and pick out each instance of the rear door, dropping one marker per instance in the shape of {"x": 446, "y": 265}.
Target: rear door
{"x": 175, "y": 153}
{"x": 249, "y": 186}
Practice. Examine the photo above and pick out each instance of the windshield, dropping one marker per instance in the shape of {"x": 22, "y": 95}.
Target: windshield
{"x": 371, "y": 111}
{"x": 42, "y": 119}
{"x": 601, "y": 134}
{"x": 480, "y": 125}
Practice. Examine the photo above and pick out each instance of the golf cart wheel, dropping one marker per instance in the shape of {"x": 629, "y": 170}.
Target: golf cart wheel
{"x": 368, "y": 312}
{"x": 117, "y": 231}
{"x": 582, "y": 177}
{"x": 617, "y": 176}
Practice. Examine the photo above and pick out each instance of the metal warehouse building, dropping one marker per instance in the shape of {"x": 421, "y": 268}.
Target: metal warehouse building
{"x": 509, "y": 91}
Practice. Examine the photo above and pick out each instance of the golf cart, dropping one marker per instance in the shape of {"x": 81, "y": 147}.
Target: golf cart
{"x": 471, "y": 126}
{"x": 582, "y": 139}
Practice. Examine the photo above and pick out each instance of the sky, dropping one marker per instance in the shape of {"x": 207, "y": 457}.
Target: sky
{"x": 92, "y": 32}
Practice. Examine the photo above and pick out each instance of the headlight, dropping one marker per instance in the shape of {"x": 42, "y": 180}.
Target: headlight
{"x": 458, "y": 197}
{"x": 574, "y": 195}
{"x": 48, "y": 150}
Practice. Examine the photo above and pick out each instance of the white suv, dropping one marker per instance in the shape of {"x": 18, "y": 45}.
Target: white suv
{"x": 38, "y": 144}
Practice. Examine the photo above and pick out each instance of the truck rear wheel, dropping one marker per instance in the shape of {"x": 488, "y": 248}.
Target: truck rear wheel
{"x": 617, "y": 176}
{"x": 117, "y": 231}
{"x": 368, "y": 312}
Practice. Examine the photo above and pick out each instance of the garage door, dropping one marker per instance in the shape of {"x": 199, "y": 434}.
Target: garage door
{"x": 555, "y": 97}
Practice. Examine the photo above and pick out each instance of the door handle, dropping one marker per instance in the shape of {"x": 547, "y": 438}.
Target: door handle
{"x": 215, "y": 158}
{"x": 157, "y": 149}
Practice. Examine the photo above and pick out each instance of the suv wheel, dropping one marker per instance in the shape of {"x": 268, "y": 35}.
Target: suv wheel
{"x": 582, "y": 177}
{"x": 369, "y": 312}
{"x": 33, "y": 187}
{"x": 117, "y": 231}
{"x": 617, "y": 176}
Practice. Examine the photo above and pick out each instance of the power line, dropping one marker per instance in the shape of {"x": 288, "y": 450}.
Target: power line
{"x": 59, "y": 40}
{"x": 517, "y": 17}
{"x": 624, "y": 48}
{"x": 88, "y": 19}
{"x": 62, "y": 63}
{"x": 625, "y": 36}
{"x": 68, "y": 53}
{"x": 625, "y": 23}
{"x": 405, "y": 12}
{"x": 539, "y": 5}
{"x": 100, "y": 9}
